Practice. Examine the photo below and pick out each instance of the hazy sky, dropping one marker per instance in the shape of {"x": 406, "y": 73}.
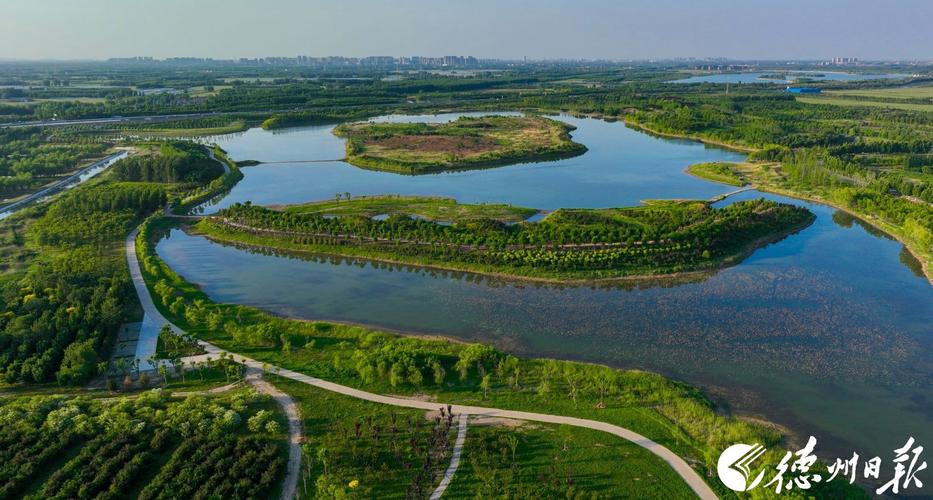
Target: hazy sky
{"x": 615, "y": 29}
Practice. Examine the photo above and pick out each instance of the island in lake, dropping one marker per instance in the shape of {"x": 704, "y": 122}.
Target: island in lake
{"x": 466, "y": 143}
{"x": 661, "y": 237}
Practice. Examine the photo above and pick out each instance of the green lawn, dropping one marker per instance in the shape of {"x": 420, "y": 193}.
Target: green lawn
{"x": 841, "y": 101}
{"x": 553, "y": 461}
{"x": 717, "y": 172}
{"x": 381, "y": 447}
{"x": 425, "y": 207}
{"x": 912, "y": 92}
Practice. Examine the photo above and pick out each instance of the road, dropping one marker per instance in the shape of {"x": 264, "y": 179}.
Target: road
{"x": 113, "y": 119}
{"x": 690, "y": 476}
{"x": 74, "y": 178}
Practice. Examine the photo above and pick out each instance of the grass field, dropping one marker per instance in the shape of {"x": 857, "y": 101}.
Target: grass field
{"x": 913, "y": 92}
{"x": 842, "y": 101}
{"x": 717, "y": 172}
{"x": 551, "y": 461}
{"x": 361, "y": 441}
{"x": 425, "y": 207}
{"x": 468, "y": 142}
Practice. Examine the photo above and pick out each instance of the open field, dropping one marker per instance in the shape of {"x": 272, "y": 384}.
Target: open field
{"x": 912, "y": 92}
{"x": 382, "y": 447}
{"x": 465, "y": 143}
{"x": 716, "y": 172}
{"x": 842, "y": 101}
{"x": 551, "y": 460}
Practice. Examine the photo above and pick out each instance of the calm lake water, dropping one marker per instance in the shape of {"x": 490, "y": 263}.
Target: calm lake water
{"x": 827, "y": 331}
{"x": 757, "y": 77}
{"x": 622, "y": 167}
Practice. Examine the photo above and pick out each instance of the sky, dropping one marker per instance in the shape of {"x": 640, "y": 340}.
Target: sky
{"x": 505, "y": 29}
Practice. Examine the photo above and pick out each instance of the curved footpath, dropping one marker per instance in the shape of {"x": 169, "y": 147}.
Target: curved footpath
{"x": 295, "y": 432}
{"x": 454, "y": 460}
{"x": 690, "y": 476}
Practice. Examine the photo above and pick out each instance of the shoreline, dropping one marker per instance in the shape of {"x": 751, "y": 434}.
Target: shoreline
{"x": 924, "y": 264}
{"x": 704, "y": 140}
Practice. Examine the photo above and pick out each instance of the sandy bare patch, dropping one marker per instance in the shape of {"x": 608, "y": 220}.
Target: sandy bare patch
{"x": 414, "y": 397}
{"x": 436, "y": 144}
{"x": 498, "y": 422}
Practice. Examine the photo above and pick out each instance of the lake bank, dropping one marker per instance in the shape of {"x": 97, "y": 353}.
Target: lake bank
{"x": 924, "y": 258}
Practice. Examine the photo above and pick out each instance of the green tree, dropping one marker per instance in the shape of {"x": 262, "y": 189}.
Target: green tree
{"x": 485, "y": 384}
{"x": 78, "y": 363}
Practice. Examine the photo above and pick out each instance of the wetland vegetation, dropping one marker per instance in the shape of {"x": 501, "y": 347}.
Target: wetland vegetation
{"x": 468, "y": 142}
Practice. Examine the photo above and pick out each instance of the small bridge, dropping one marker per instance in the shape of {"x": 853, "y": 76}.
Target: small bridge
{"x": 720, "y": 197}
{"x": 302, "y": 161}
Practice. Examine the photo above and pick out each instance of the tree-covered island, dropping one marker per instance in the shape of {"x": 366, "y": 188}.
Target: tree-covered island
{"x": 662, "y": 237}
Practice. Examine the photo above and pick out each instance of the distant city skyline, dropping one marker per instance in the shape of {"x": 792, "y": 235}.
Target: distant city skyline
{"x": 505, "y": 29}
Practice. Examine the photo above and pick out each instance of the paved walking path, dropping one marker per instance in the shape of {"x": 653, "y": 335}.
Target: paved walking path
{"x": 454, "y": 460}
{"x": 690, "y": 476}
{"x": 152, "y": 318}
{"x": 214, "y": 390}
{"x": 210, "y": 152}
{"x": 295, "y": 432}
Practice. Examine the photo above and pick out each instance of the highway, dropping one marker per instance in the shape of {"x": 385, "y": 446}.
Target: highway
{"x": 112, "y": 119}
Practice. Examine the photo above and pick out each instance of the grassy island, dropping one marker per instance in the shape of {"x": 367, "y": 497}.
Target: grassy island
{"x": 468, "y": 142}
{"x": 665, "y": 237}
{"x": 717, "y": 172}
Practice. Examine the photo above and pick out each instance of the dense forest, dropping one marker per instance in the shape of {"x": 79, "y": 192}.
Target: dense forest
{"x": 175, "y": 162}
{"x": 108, "y": 449}
{"x": 31, "y": 156}
{"x": 61, "y": 316}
